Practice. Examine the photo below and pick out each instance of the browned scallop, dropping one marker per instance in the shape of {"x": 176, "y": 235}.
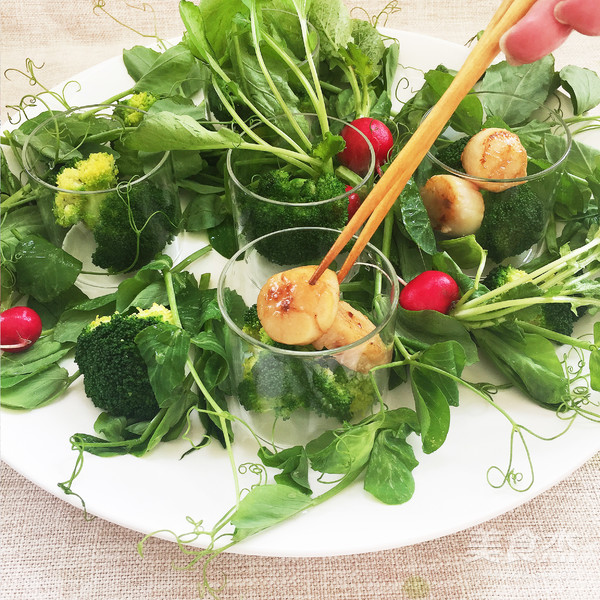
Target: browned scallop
{"x": 495, "y": 153}
{"x": 349, "y": 326}
{"x": 292, "y": 311}
{"x": 454, "y": 205}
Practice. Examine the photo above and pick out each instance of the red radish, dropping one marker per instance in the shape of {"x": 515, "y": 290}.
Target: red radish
{"x": 356, "y": 155}
{"x": 431, "y": 290}
{"x": 20, "y": 327}
{"x": 353, "y": 202}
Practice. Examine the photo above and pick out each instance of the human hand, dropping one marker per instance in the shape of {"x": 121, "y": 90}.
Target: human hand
{"x": 546, "y": 26}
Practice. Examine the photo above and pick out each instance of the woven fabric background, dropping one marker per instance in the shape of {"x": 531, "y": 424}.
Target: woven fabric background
{"x": 547, "y": 549}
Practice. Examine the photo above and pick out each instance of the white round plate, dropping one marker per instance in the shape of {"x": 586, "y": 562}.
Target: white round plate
{"x": 159, "y": 491}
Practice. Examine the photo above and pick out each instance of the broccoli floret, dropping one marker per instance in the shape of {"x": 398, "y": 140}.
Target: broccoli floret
{"x": 130, "y": 224}
{"x": 273, "y": 383}
{"x": 513, "y": 221}
{"x": 134, "y": 224}
{"x": 97, "y": 172}
{"x": 261, "y": 218}
{"x": 115, "y": 376}
{"x": 556, "y": 317}
{"x": 502, "y": 274}
{"x": 451, "y": 154}
{"x": 340, "y": 394}
{"x": 283, "y": 384}
{"x": 142, "y": 101}
{"x": 253, "y": 327}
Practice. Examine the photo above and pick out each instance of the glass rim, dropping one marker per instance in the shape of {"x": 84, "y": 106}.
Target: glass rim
{"x": 514, "y": 180}
{"x": 363, "y": 181}
{"x": 123, "y": 184}
{"x": 386, "y": 268}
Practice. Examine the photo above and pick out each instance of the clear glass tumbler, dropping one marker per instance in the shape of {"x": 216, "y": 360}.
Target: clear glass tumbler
{"x": 545, "y": 142}
{"x": 256, "y": 215}
{"x": 141, "y": 191}
{"x": 285, "y": 390}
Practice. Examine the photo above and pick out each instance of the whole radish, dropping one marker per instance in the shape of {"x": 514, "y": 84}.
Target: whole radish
{"x": 353, "y": 202}
{"x": 20, "y": 327}
{"x": 356, "y": 155}
{"x": 431, "y": 290}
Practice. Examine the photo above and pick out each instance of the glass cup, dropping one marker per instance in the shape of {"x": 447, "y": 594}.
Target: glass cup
{"x": 256, "y": 215}
{"x": 531, "y": 122}
{"x": 372, "y": 286}
{"x": 65, "y": 138}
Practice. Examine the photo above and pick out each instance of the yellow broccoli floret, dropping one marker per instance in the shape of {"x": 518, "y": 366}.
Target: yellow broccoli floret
{"x": 142, "y": 101}
{"x": 96, "y": 172}
{"x": 157, "y": 311}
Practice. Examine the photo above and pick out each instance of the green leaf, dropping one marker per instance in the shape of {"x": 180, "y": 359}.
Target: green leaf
{"x": 528, "y": 361}
{"x": 529, "y": 85}
{"x": 36, "y": 390}
{"x": 38, "y": 357}
{"x": 204, "y": 212}
{"x": 331, "y": 19}
{"x": 43, "y": 270}
{"x": 389, "y": 472}
{"x": 342, "y": 451}
{"x": 468, "y": 117}
{"x": 267, "y": 505}
{"x": 168, "y": 131}
{"x": 138, "y": 60}
{"x": 168, "y": 71}
{"x": 464, "y": 251}
{"x": 223, "y": 238}
{"x": 293, "y": 464}
{"x": 413, "y": 217}
{"x": 432, "y": 408}
{"x": 370, "y": 44}
{"x": 112, "y": 428}
{"x": 428, "y": 327}
{"x": 583, "y": 86}
{"x": 74, "y": 320}
{"x": 164, "y": 348}
{"x": 594, "y": 363}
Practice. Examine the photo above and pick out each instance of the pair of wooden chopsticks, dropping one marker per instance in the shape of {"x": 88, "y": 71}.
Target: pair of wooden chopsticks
{"x": 384, "y": 194}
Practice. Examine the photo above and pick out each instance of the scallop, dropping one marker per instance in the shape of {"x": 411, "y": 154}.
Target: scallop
{"x": 455, "y": 206}
{"x": 495, "y": 153}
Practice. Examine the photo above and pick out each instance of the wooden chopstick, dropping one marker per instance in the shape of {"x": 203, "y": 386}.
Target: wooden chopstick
{"x": 384, "y": 194}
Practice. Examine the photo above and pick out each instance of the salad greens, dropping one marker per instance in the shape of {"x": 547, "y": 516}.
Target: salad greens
{"x": 251, "y": 67}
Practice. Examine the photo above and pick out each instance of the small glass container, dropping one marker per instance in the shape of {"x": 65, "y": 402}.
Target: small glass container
{"x": 371, "y": 286}
{"x": 531, "y": 121}
{"x": 256, "y": 215}
{"x": 65, "y": 138}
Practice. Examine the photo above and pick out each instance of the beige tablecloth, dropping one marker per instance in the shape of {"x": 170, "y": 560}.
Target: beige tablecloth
{"x": 546, "y": 549}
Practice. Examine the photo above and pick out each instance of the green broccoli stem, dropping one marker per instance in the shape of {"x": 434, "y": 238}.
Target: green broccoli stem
{"x": 265, "y": 71}
{"x": 556, "y": 337}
